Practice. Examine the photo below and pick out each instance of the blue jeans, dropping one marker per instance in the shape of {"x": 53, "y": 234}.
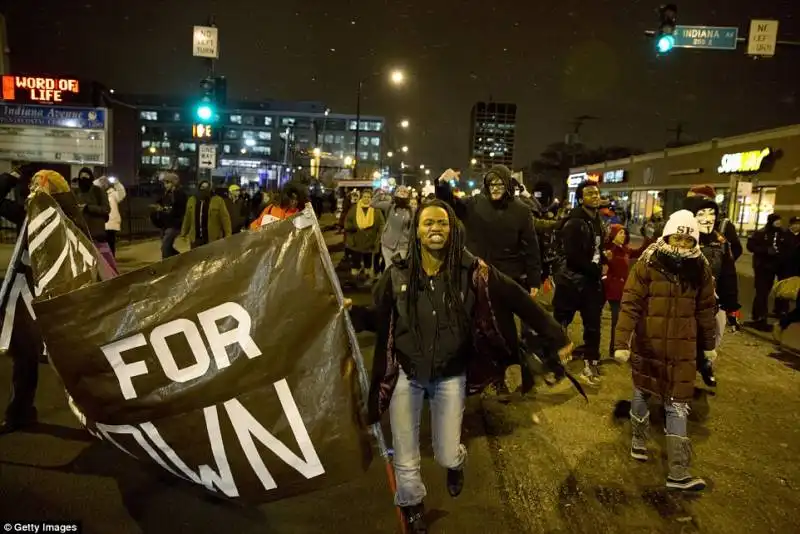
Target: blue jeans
{"x": 168, "y": 243}
{"x": 677, "y": 412}
{"x": 446, "y": 397}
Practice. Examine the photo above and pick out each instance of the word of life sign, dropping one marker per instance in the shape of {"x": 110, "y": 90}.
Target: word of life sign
{"x": 38, "y": 89}
{"x": 743, "y": 161}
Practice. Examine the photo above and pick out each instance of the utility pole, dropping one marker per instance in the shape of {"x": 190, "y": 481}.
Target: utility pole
{"x": 358, "y": 128}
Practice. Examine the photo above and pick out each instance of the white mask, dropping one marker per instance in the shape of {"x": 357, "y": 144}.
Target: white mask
{"x": 706, "y": 219}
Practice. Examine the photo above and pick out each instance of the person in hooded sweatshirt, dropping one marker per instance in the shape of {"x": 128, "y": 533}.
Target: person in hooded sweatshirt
{"x": 577, "y": 273}
{"x": 766, "y": 245}
{"x": 500, "y": 230}
{"x": 719, "y": 253}
{"x": 93, "y": 201}
{"x": 207, "y": 219}
{"x": 668, "y": 311}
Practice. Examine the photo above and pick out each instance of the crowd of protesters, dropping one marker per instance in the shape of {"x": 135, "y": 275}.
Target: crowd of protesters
{"x": 455, "y": 280}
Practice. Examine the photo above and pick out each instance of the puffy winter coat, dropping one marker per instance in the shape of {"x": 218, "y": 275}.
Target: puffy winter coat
{"x": 663, "y": 321}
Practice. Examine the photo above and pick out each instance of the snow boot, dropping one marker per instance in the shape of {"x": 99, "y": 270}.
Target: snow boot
{"x": 679, "y": 455}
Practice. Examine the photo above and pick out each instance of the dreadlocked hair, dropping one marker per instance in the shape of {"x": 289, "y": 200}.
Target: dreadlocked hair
{"x": 451, "y": 270}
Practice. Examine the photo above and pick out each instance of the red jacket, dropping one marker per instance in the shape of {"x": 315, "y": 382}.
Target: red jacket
{"x": 618, "y": 264}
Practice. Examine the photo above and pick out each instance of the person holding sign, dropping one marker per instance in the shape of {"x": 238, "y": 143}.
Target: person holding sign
{"x": 445, "y": 328}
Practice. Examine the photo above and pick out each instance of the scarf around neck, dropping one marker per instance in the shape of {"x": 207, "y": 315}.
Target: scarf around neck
{"x": 675, "y": 252}
{"x": 364, "y": 218}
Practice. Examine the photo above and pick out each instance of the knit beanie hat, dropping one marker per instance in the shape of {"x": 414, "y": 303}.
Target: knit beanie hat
{"x": 682, "y": 222}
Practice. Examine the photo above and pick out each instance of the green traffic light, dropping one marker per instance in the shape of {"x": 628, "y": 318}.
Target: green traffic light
{"x": 665, "y": 43}
{"x": 204, "y": 112}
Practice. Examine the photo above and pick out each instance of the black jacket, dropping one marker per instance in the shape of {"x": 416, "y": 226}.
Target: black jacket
{"x": 10, "y": 210}
{"x": 767, "y": 246}
{"x": 581, "y": 237}
{"x": 95, "y": 212}
{"x": 719, "y": 253}
{"x": 790, "y": 261}
{"x": 174, "y": 204}
{"x": 489, "y": 318}
{"x": 501, "y": 233}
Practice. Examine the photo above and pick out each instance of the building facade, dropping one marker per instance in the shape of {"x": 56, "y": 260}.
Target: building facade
{"x": 754, "y": 175}
{"x": 261, "y": 141}
{"x": 493, "y": 129}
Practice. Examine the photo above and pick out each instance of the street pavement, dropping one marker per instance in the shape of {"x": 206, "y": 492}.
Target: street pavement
{"x": 550, "y": 463}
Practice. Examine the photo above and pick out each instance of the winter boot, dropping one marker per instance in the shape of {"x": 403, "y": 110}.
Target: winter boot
{"x": 455, "y": 481}
{"x": 679, "y": 455}
{"x": 640, "y": 430}
{"x": 414, "y": 517}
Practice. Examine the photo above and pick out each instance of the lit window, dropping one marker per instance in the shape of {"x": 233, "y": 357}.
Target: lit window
{"x": 176, "y": 117}
{"x": 145, "y": 160}
{"x": 265, "y": 136}
{"x": 164, "y": 160}
{"x": 376, "y": 141}
{"x": 339, "y": 139}
{"x": 148, "y": 115}
{"x": 144, "y": 129}
{"x": 226, "y": 149}
{"x": 288, "y": 121}
{"x": 364, "y": 141}
{"x": 352, "y": 125}
{"x": 236, "y": 119}
{"x": 145, "y": 144}
{"x": 267, "y": 121}
{"x": 231, "y": 134}
{"x": 261, "y": 150}
{"x": 187, "y": 147}
{"x": 329, "y": 138}
{"x": 183, "y": 162}
{"x": 376, "y": 156}
{"x": 377, "y": 126}
{"x": 166, "y": 144}
{"x": 363, "y": 155}
{"x": 248, "y": 134}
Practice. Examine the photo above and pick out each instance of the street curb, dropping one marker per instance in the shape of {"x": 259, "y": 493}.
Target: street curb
{"x": 765, "y": 336}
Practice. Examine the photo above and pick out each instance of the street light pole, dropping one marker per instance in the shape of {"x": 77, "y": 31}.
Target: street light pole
{"x": 358, "y": 128}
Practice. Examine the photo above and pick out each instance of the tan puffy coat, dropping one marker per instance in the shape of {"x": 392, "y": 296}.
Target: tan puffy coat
{"x": 663, "y": 324}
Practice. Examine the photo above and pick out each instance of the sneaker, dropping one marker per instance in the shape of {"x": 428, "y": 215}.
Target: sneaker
{"x": 686, "y": 484}
{"x": 639, "y": 453}
{"x": 455, "y": 482}
{"x": 588, "y": 376}
{"x": 415, "y": 519}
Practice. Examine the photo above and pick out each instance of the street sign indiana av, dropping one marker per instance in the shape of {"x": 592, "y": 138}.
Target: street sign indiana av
{"x": 708, "y": 37}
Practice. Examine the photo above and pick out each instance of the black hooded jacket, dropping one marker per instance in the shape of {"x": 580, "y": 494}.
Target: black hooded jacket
{"x": 582, "y": 237}
{"x": 501, "y": 233}
{"x": 767, "y": 246}
{"x": 718, "y": 251}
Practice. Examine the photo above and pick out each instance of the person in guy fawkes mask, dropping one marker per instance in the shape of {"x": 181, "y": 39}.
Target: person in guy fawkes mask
{"x": 445, "y": 325}
{"x": 721, "y": 225}
{"x": 397, "y": 230}
{"x": 766, "y": 245}
{"x": 717, "y": 250}
{"x": 500, "y": 230}
{"x": 207, "y": 219}
{"x": 577, "y": 273}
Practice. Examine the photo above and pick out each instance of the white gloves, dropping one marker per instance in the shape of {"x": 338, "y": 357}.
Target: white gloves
{"x": 622, "y": 356}
{"x": 710, "y": 355}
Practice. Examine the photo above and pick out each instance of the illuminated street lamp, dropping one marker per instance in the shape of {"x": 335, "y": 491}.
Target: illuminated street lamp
{"x": 153, "y": 150}
{"x": 422, "y": 167}
{"x": 390, "y": 154}
{"x": 317, "y": 152}
{"x": 396, "y": 77}
{"x": 404, "y": 149}
{"x": 348, "y": 161}
{"x": 404, "y": 124}
{"x": 473, "y": 161}
{"x": 427, "y": 172}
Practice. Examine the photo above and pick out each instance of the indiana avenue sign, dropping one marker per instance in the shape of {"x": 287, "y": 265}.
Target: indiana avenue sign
{"x": 708, "y": 37}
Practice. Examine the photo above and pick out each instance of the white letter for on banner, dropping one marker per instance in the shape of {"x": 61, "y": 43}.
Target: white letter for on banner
{"x": 239, "y": 335}
{"x": 125, "y": 371}
{"x": 158, "y": 339}
{"x": 247, "y": 427}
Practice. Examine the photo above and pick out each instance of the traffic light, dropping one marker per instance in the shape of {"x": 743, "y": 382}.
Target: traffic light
{"x": 665, "y": 37}
{"x": 205, "y": 111}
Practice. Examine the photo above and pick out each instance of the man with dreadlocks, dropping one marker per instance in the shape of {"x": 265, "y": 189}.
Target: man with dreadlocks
{"x": 445, "y": 328}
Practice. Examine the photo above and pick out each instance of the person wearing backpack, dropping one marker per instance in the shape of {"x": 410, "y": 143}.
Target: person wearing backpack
{"x": 578, "y": 275}
{"x": 445, "y": 329}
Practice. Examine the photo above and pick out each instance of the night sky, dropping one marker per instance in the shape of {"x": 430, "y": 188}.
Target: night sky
{"x": 556, "y": 60}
